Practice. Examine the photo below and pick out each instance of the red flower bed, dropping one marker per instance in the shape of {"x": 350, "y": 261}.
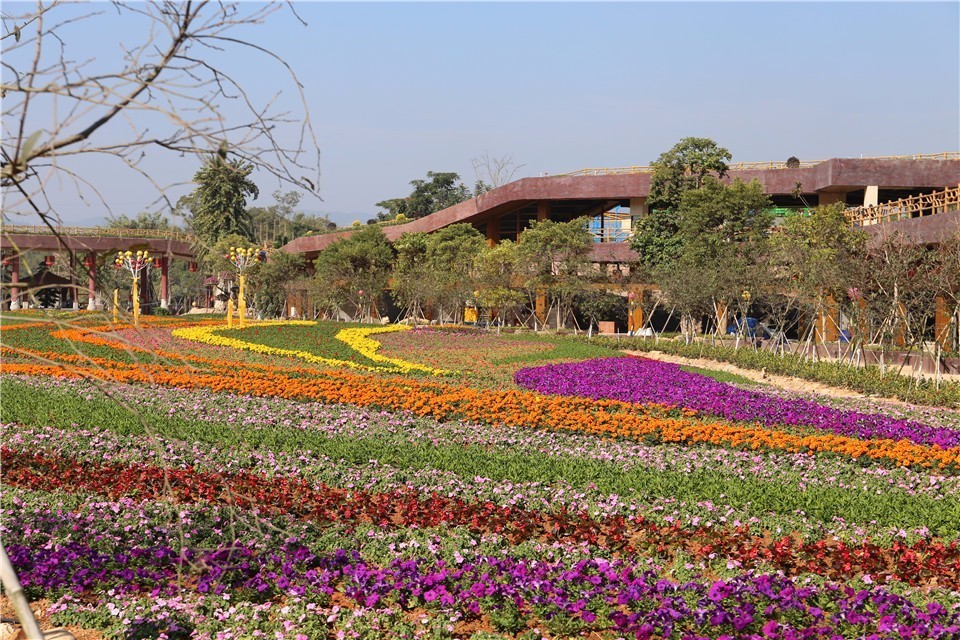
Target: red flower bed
{"x": 923, "y": 563}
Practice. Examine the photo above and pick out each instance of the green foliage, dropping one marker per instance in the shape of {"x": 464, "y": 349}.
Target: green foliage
{"x": 656, "y": 237}
{"x": 279, "y": 223}
{"x": 218, "y": 204}
{"x": 721, "y": 215}
{"x": 496, "y": 275}
{"x": 817, "y": 254}
{"x": 413, "y": 283}
{"x": 597, "y": 305}
{"x": 144, "y": 220}
{"x": 439, "y": 191}
{"x": 269, "y": 282}
{"x": 450, "y": 255}
{"x": 552, "y": 257}
{"x": 362, "y": 262}
{"x": 683, "y": 168}
{"x": 709, "y": 248}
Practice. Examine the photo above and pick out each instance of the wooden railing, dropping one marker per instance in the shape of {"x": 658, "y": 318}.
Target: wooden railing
{"x": 109, "y": 232}
{"x": 905, "y": 208}
{"x": 755, "y": 166}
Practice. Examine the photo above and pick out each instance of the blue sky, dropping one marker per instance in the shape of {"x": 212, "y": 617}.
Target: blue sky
{"x": 396, "y": 90}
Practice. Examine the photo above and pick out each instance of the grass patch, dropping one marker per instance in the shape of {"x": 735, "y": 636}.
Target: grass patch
{"x": 722, "y": 376}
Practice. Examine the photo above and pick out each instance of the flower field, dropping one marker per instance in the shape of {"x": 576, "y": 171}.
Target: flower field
{"x": 320, "y": 480}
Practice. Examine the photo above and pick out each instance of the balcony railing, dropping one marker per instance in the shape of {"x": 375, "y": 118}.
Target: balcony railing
{"x": 905, "y": 208}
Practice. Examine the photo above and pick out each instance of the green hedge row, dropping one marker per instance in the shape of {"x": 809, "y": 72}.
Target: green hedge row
{"x": 866, "y": 380}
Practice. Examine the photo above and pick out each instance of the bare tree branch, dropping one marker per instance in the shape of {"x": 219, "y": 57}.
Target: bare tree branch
{"x": 170, "y": 92}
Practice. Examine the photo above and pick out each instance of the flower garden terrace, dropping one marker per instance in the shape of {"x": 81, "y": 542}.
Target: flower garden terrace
{"x": 316, "y": 479}
{"x": 305, "y": 479}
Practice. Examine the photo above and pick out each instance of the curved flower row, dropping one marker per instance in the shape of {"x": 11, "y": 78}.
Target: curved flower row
{"x": 355, "y": 338}
{"x": 917, "y": 563}
{"x": 592, "y": 594}
{"x": 359, "y": 340}
{"x": 641, "y": 380}
{"x": 798, "y": 471}
{"x": 515, "y": 408}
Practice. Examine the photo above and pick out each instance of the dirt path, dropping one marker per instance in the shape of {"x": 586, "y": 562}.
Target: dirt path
{"x": 783, "y": 382}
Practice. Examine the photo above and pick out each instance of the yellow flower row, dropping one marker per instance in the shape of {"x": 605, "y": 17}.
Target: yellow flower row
{"x": 359, "y": 340}
{"x": 368, "y": 347}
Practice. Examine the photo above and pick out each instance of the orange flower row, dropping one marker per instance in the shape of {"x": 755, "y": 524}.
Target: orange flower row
{"x": 443, "y": 401}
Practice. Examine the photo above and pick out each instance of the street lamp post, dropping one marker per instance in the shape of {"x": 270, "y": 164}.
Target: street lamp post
{"x": 135, "y": 264}
{"x": 242, "y": 259}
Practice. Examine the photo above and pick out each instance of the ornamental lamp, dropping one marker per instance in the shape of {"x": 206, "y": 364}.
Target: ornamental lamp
{"x": 49, "y": 260}
{"x": 193, "y": 266}
{"x": 746, "y": 296}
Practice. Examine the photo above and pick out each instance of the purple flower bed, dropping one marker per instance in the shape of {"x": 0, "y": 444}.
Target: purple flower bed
{"x": 648, "y": 381}
{"x": 614, "y": 594}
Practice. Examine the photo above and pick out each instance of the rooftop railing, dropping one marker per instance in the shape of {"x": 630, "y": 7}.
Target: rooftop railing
{"x": 756, "y": 166}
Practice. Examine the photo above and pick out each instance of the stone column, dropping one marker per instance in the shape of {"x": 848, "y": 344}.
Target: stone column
{"x": 92, "y": 281}
{"x": 164, "y": 283}
{"x": 14, "y": 281}
{"x": 871, "y": 196}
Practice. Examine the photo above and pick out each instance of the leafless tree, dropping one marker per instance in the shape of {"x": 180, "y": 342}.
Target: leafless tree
{"x": 493, "y": 172}
{"x": 173, "y": 91}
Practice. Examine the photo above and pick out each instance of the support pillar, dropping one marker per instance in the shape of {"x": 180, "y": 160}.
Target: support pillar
{"x": 635, "y": 318}
{"x": 543, "y": 210}
{"x": 91, "y": 263}
{"x": 74, "y": 287}
{"x": 900, "y": 337}
{"x": 164, "y": 282}
{"x": 144, "y": 293}
{"x": 723, "y": 318}
{"x": 942, "y": 317}
{"x": 541, "y": 309}
{"x": 493, "y": 232}
{"x": 14, "y": 282}
{"x": 828, "y": 329}
{"x": 871, "y": 196}
{"x": 638, "y": 207}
